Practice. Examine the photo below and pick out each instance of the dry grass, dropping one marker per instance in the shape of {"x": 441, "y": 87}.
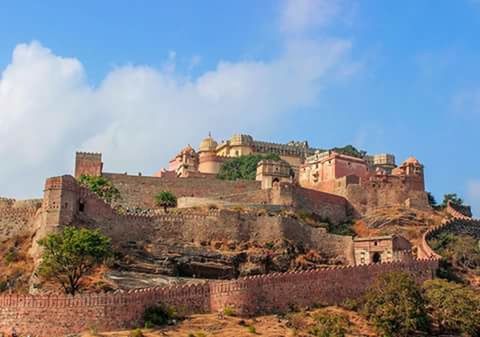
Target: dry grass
{"x": 266, "y": 326}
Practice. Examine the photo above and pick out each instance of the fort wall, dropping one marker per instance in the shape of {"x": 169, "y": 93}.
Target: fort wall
{"x": 55, "y": 315}
{"x": 139, "y": 191}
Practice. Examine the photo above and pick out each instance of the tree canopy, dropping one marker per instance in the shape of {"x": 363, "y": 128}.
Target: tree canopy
{"x": 452, "y": 197}
{"x": 166, "y": 200}
{"x": 243, "y": 167}
{"x": 454, "y": 308}
{"x": 350, "y": 150}
{"x": 395, "y": 306}
{"x": 71, "y": 254}
{"x": 101, "y": 186}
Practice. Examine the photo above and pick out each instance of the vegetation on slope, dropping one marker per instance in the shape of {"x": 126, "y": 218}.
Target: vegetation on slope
{"x": 243, "y": 167}
{"x": 71, "y": 254}
{"x": 101, "y": 186}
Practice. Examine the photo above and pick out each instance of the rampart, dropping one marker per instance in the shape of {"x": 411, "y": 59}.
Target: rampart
{"x": 139, "y": 191}
{"x": 57, "y": 315}
{"x": 68, "y": 203}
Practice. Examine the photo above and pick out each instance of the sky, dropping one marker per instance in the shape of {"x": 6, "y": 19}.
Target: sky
{"x": 139, "y": 80}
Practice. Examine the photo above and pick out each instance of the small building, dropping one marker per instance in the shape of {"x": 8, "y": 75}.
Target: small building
{"x": 377, "y": 249}
{"x": 270, "y": 172}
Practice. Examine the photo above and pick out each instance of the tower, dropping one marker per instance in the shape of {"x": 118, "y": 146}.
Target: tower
{"x": 88, "y": 164}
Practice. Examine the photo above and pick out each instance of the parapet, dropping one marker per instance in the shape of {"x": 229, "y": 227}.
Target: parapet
{"x": 88, "y": 163}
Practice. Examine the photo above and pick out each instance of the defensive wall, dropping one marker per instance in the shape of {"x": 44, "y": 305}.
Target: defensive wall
{"x": 459, "y": 223}
{"x": 68, "y": 203}
{"x": 58, "y": 315}
{"x": 381, "y": 191}
{"x": 139, "y": 191}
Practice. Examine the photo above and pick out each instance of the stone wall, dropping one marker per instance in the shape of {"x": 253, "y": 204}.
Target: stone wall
{"x": 67, "y": 203}
{"x": 56, "y": 315}
{"x": 139, "y": 191}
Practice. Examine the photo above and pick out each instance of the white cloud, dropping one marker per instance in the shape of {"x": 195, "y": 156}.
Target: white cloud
{"x": 300, "y": 15}
{"x": 473, "y": 194}
{"x": 139, "y": 116}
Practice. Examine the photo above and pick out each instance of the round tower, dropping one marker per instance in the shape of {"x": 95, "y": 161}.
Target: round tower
{"x": 208, "y": 162}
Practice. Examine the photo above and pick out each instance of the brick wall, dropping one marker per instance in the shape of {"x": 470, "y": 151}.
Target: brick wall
{"x": 56, "y": 315}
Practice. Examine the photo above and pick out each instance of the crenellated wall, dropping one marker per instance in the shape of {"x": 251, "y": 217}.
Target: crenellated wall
{"x": 56, "y": 315}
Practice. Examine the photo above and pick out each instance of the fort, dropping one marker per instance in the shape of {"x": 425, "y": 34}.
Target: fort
{"x": 332, "y": 187}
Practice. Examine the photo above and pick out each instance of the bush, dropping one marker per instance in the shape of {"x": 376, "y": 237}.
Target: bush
{"x": 159, "y": 315}
{"x": 136, "y": 333}
{"x": 395, "y": 306}
{"x": 244, "y": 167}
{"x": 11, "y": 256}
{"x": 297, "y": 321}
{"x": 229, "y": 311}
{"x": 251, "y": 329}
{"x": 329, "y": 325}
{"x": 453, "y": 307}
{"x": 166, "y": 200}
{"x": 101, "y": 186}
{"x": 461, "y": 250}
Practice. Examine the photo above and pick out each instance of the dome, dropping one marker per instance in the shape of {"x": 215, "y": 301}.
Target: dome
{"x": 208, "y": 144}
{"x": 241, "y": 140}
{"x": 412, "y": 160}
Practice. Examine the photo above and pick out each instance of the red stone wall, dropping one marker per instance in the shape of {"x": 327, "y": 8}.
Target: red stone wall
{"x": 56, "y": 315}
{"x": 138, "y": 191}
{"x": 88, "y": 164}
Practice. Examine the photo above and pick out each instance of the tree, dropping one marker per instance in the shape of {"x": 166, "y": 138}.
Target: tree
{"x": 453, "y": 307}
{"x": 350, "y": 150}
{"x": 452, "y": 197}
{"x": 395, "y": 306}
{"x": 71, "y": 254}
{"x": 431, "y": 200}
{"x": 166, "y": 199}
{"x": 243, "y": 167}
{"x": 101, "y": 186}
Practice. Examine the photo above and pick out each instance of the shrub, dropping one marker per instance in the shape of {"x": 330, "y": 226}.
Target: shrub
{"x": 3, "y": 285}
{"x": 395, "y": 306}
{"x": 136, "y": 333}
{"x": 101, "y": 186}
{"x": 229, "y": 311}
{"x": 159, "y": 315}
{"x": 11, "y": 256}
{"x": 329, "y": 325}
{"x": 461, "y": 250}
{"x": 251, "y": 329}
{"x": 243, "y": 167}
{"x": 297, "y": 321}
{"x": 350, "y": 304}
{"x": 166, "y": 200}
{"x": 453, "y": 307}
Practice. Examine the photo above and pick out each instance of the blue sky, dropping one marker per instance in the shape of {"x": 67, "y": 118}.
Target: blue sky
{"x": 137, "y": 80}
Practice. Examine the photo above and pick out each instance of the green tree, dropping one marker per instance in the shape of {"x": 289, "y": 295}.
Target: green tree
{"x": 431, "y": 200}
{"x": 101, "y": 186}
{"x": 166, "y": 200}
{"x": 243, "y": 167}
{"x": 395, "y": 306}
{"x": 461, "y": 250}
{"x": 350, "y": 150}
{"x": 453, "y": 197}
{"x": 71, "y": 254}
{"x": 454, "y": 308}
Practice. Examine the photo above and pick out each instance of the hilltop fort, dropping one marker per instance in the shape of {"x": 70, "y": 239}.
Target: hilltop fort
{"x": 290, "y": 225}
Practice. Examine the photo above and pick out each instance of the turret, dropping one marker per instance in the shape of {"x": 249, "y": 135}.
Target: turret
{"x": 88, "y": 164}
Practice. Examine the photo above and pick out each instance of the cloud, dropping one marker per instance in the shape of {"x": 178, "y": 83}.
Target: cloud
{"x": 473, "y": 193}
{"x": 139, "y": 116}
{"x": 300, "y": 15}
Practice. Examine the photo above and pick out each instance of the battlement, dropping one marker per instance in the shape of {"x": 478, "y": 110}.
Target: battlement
{"x": 54, "y": 315}
{"x": 88, "y": 163}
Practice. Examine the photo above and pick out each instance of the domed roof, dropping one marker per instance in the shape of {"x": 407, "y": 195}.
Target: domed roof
{"x": 241, "y": 139}
{"x": 208, "y": 144}
{"x": 412, "y": 160}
